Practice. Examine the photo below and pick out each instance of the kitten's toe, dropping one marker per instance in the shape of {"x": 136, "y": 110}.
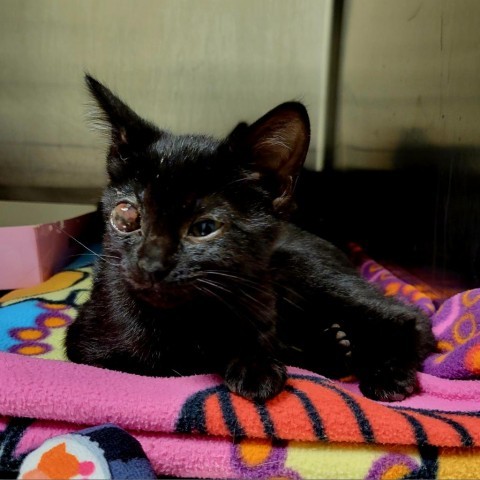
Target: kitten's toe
{"x": 390, "y": 385}
{"x": 256, "y": 380}
{"x": 340, "y": 342}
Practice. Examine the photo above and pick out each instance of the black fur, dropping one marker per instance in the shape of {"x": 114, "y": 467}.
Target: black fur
{"x": 253, "y": 296}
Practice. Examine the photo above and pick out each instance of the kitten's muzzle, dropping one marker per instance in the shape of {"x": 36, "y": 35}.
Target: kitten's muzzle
{"x": 158, "y": 289}
{"x": 154, "y": 269}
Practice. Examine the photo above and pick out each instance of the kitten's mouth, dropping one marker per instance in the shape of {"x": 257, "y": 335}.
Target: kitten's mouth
{"x": 163, "y": 294}
{"x": 163, "y": 300}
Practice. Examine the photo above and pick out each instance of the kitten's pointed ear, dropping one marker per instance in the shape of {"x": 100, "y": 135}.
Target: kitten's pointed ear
{"x": 280, "y": 139}
{"x": 126, "y": 127}
{"x": 278, "y": 144}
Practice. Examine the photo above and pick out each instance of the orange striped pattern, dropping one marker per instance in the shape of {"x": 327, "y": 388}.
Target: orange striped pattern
{"x": 313, "y": 409}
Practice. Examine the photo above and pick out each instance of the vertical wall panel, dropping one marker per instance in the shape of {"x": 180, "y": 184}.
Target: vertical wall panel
{"x": 410, "y": 77}
{"x": 188, "y": 65}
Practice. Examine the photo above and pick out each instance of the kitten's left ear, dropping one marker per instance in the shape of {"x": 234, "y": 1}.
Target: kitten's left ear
{"x": 278, "y": 144}
{"x": 128, "y": 131}
{"x": 126, "y": 127}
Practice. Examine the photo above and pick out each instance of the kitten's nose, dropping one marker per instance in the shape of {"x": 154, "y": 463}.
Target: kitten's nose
{"x": 154, "y": 267}
{"x": 156, "y": 257}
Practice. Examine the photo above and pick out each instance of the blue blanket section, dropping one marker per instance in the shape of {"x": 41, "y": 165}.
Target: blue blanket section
{"x": 87, "y": 258}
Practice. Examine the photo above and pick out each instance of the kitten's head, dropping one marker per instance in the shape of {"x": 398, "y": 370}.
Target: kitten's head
{"x": 187, "y": 213}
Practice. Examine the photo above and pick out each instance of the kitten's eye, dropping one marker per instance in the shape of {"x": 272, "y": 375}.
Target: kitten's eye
{"x": 203, "y": 228}
{"x": 125, "y": 218}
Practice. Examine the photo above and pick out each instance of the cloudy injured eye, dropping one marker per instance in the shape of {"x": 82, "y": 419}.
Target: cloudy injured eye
{"x": 125, "y": 218}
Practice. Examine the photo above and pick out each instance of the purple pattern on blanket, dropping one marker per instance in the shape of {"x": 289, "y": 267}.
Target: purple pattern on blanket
{"x": 457, "y": 328}
{"x": 391, "y": 285}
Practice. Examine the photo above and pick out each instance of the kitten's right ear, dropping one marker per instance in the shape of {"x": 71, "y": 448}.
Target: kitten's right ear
{"x": 276, "y": 146}
{"x": 126, "y": 127}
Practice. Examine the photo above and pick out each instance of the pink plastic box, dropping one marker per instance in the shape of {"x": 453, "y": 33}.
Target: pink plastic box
{"x": 36, "y": 240}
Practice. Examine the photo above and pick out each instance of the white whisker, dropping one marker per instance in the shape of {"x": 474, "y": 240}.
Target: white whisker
{"x": 257, "y": 311}
{"x": 101, "y": 257}
{"x": 256, "y": 286}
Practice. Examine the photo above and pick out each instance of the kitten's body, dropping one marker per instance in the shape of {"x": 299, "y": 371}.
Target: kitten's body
{"x": 252, "y": 294}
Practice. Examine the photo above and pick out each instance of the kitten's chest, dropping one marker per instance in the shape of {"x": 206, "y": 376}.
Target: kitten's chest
{"x": 180, "y": 341}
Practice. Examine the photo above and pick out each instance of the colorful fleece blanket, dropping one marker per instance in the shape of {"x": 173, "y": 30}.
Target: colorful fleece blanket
{"x": 193, "y": 427}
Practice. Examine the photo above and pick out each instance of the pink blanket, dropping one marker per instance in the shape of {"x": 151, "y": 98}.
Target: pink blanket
{"x": 159, "y": 411}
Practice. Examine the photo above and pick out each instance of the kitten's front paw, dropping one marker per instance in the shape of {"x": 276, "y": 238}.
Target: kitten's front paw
{"x": 257, "y": 380}
{"x": 389, "y": 384}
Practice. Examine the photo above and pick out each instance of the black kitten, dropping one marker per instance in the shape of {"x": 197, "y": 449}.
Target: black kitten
{"x": 202, "y": 272}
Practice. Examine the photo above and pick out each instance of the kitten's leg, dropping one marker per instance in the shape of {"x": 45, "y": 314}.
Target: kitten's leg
{"x": 255, "y": 377}
{"x": 79, "y": 346}
{"x": 386, "y": 349}
{"x": 90, "y": 342}
{"x": 252, "y": 366}
{"x": 389, "y": 340}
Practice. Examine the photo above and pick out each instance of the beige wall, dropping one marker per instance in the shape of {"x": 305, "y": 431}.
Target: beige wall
{"x": 410, "y": 76}
{"x": 189, "y": 65}
{"x": 15, "y": 214}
